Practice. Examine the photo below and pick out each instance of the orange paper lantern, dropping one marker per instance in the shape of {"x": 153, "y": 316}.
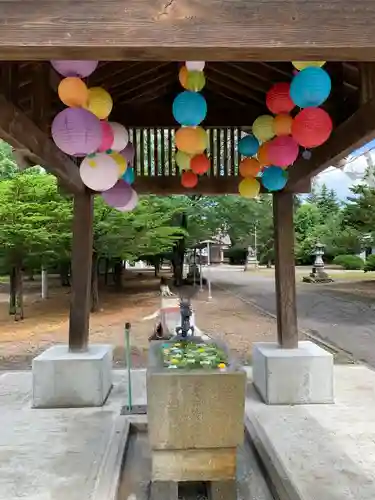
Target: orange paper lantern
{"x": 282, "y": 125}
{"x": 249, "y": 167}
{"x": 262, "y": 155}
{"x": 73, "y": 92}
{"x": 200, "y": 164}
{"x": 183, "y": 76}
{"x": 189, "y": 179}
{"x": 191, "y": 140}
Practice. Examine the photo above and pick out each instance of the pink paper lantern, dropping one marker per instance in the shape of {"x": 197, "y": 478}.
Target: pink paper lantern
{"x": 121, "y": 136}
{"x": 132, "y": 203}
{"x": 82, "y": 69}
{"x": 99, "y": 172}
{"x": 76, "y": 132}
{"x": 119, "y": 195}
{"x": 128, "y": 153}
{"x": 282, "y": 151}
{"x": 107, "y": 137}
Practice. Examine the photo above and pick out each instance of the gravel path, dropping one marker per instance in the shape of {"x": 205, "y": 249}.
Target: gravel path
{"x": 344, "y": 320}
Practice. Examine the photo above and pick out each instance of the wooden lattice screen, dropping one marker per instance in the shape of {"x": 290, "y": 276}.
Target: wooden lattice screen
{"x": 155, "y": 152}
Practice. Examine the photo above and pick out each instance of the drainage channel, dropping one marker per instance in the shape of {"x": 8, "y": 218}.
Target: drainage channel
{"x": 252, "y": 483}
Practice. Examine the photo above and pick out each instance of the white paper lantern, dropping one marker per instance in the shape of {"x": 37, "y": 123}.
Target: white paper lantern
{"x": 99, "y": 172}
{"x": 195, "y": 65}
{"x": 121, "y": 136}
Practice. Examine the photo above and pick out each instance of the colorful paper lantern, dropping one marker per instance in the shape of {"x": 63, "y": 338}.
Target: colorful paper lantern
{"x": 310, "y": 87}
{"x": 249, "y": 188}
{"x": 128, "y": 153}
{"x": 81, "y": 69}
{"x": 278, "y": 98}
{"x": 76, "y": 132}
{"x": 282, "y": 124}
{"x": 191, "y": 80}
{"x": 121, "y": 162}
{"x": 183, "y": 160}
{"x": 306, "y": 155}
{"x": 73, "y": 92}
{"x": 263, "y": 128}
{"x": 120, "y": 136}
{"x": 312, "y": 127}
{"x": 132, "y": 203}
{"x": 274, "y": 178}
{"x": 282, "y": 151}
{"x": 107, "y": 137}
{"x": 99, "y": 172}
{"x": 119, "y": 195}
{"x": 195, "y": 65}
{"x": 249, "y": 167}
{"x": 300, "y": 65}
{"x": 248, "y": 145}
{"x": 129, "y": 175}
{"x": 191, "y": 140}
{"x": 189, "y": 108}
{"x": 189, "y": 179}
{"x": 262, "y": 155}
{"x": 99, "y": 102}
{"x": 200, "y": 164}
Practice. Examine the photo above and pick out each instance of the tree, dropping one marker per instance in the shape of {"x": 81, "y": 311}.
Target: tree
{"x": 8, "y": 166}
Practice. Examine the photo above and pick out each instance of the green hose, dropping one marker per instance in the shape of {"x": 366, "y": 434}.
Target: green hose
{"x": 128, "y": 364}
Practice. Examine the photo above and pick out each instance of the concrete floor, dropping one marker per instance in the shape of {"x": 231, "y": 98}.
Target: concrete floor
{"x": 324, "y": 452}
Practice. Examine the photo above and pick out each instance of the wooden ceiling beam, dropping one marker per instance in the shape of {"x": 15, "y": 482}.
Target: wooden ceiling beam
{"x": 164, "y": 78}
{"x": 187, "y": 30}
{"x": 243, "y": 84}
{"x": 36, "y": 147}
{"x": 355, "y": 132}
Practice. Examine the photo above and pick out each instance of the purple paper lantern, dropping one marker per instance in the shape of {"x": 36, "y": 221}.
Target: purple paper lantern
{"x": 119, "y": 195}
{"x": 77, "y": 132}
{"x": 128, "y": 153}
{"x": 82, "y": 69}
{"x": 132, "y": 203}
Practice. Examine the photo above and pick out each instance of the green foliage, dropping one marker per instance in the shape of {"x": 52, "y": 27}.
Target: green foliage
{"x": 8, "y": 167}
{"x": 349, "y": 262}
{"x": 370, "y": 263}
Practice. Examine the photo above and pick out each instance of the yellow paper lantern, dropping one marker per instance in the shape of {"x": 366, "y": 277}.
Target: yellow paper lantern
{"x": 99, "y": 102}
{"x": 183, "y": 160}
{"x": 191, "y": 140}
{"x": 73, "y": 92}
{"x": 120, "y": 161}
{"x": 249, "y": 188}
{"x": 263, "y": 128}
{"x": 300, "y": 65}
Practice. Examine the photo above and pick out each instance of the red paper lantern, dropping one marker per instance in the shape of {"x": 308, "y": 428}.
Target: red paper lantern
{"x": 189, "y": 179}
{"x": 312, "y": 127}
{"x": 278, "y": 99}
{"x": 282, "y": 151}
{"x": 200, "y": 164}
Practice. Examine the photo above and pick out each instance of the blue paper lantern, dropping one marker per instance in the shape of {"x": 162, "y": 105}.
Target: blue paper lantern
{"x": 274, "y": 178}
{"x": 189, "y": 108}
{"x": 128, "y": 175}
{"x": 248, "y": 146}
{"x": 310, "y": 87}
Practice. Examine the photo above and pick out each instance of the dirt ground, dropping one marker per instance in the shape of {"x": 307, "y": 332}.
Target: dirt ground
{"x": 46, "y": 321}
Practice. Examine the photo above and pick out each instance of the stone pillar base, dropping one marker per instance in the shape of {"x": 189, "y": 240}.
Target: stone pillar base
{"x": 293, "y": 376}
{"x": 63, "y": 379}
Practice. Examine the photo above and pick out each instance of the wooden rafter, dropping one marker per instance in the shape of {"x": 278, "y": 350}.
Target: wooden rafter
{"x": 187, "y": 29}
{"x": 36, "y": 146}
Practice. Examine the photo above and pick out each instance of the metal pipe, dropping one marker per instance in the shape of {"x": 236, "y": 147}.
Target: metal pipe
{"x": 128, "y": 364}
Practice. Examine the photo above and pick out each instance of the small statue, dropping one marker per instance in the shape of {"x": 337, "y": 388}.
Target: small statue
{"x": 185, "y": 329}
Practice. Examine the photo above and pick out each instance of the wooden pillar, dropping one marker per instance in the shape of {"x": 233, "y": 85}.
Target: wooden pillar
{"x": 81, "y": 271}
{"x": 287, "y": 330}
{"x": 367, "y": 74}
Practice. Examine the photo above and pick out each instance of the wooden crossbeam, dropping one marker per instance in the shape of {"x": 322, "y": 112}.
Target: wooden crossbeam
{"x": 347, "y": 137}
{"x": 36, "y": 147}
{"x": 269, "y": 30}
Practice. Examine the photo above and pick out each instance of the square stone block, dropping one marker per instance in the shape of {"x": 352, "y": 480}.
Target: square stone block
{"x": 63, "y": 379}
{"x": 293, "y": 376}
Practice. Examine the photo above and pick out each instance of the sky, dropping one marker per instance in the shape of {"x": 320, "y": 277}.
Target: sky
{"x": 341, "y": 179}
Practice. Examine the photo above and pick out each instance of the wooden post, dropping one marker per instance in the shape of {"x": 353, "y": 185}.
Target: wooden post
{"x": 287, "y": 330}
{"x": 81, "y": 272}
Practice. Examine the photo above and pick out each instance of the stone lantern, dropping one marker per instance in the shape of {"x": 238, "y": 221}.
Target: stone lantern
{"x": 319, "y": 252}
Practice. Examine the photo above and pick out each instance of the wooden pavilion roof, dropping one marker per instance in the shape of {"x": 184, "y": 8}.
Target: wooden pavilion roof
{"x": 143, "y": 93}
